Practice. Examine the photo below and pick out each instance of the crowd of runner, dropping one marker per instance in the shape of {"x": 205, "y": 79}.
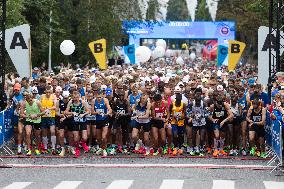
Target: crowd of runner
{"x": 150, "y": 109}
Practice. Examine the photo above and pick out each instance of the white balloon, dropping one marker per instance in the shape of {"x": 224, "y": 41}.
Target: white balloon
{"x": 169, "y": 53}
{"x": 192, "y": 56}
{"x": 179, "y": 60}
{"x": 159, "y": 52}
{"x": 67, "y": 47}
{"x": 142, "y": 54}
{"x": 161, "y": 43}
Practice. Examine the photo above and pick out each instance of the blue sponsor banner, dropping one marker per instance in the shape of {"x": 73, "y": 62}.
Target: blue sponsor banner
{"x": 2, "y": 128}
{"x": 9, "y": 124}
{"x": 130, "y": 52}
{"x": 277, "y": 138}
{"x": 222, "y": 55}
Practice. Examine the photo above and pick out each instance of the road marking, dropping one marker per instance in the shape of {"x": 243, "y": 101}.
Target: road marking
{"x": 120, "y": 184}
{"x": 172, "y": 184}
{"x": 223, "y": 184}
{"x": 18, "y": 185}
{"x": 68, "y": 184}
{"x": 273, "y": 185}
{"x": 195, "y": 166}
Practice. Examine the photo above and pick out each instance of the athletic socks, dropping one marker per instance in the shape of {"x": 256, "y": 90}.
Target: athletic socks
{"x": 45, "y": 142}
{"x": 53, "y": 141}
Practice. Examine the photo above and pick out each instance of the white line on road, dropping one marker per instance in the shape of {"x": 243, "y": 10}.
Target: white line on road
{"x": 273, "y": 185}
{"x": 223, "y": 184}
{"x": 68, "y": 184}
{"x": 204, "y": 166}
{"x": 172, "y": 184}
{"x": 18, "y": 185}
{"x": 120, "y": 184}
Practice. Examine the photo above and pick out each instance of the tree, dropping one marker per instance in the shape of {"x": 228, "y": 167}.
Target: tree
{"x": 177, "y": 10}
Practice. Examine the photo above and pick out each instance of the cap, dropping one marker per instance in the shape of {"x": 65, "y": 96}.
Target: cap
{"x": 251, "y": 81}
{"x": 108, "y": 91}
{"x": 279, "y": 74}
{"x": 65, "y": 94}
{"x": 180, "y": 84}
{"x": 34, "y": 90}
{"x": 17, "y": 86}
{"x": 58, "y": 88}
{"x": 220, "y": 88}
{"x": 177, "y": 89}
{"x": 36, "y": 68}
{"x": 103, "y": 87}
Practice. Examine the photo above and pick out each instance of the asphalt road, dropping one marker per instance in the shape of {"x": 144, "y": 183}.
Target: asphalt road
{"x": 138, "y": 178}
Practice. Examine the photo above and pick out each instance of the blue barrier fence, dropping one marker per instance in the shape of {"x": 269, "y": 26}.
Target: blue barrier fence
{"x": 7, "y": 122}
{"x": 276, "y": 139}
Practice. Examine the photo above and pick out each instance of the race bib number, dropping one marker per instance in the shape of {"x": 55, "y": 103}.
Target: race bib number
{"x": 121, "y": 111}
{"x": 178, "y": 114}
{"x": 101, "y": 111}
{"x": 90, "y": 118}
{"x": 47, "y": 112}
{"x": 159, "y": 115}
{"x": 79, "y": 119}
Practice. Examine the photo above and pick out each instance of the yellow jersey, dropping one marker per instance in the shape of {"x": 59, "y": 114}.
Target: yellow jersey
{"x": 179, "y": 113}
{"x": 48, "y": 103}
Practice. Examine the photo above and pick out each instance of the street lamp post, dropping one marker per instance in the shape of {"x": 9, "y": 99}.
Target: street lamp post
{"x": 2, "y": 52}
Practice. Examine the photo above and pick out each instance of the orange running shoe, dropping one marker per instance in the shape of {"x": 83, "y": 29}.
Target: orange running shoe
{"x": 209, "y": 150}
{"x": 216, "y": 153}
{"x": 175, "y": 152}
{"x": 223, "y": 153}
{"x": 180, "y": 152}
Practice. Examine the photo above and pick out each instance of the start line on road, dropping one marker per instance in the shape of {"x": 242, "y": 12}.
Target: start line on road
{"x": 204, "y": 166}
{"x": 127, "y": 184}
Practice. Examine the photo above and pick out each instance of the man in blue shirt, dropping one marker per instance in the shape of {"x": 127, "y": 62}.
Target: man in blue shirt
{"x": 261, "y": 95}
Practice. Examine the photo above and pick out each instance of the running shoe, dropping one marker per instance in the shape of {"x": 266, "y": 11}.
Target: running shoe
{"x": 77, "y": 152}
{"x": 53, "y": 152}
{"x": 191, "y": 152}
{"x": 152, "y": 151}
{"x": 19, "y": 150}
{"x": 252, "y": 151}
{"x": 104, "y": 153}
{"x": 187, "y": 149}
{"x": 29, "y": 153}
{"x": 165, "y": 151}
{"x": 93, "y": 150}
{"x": 37, "y": 152}
{"x": 215, "y": 153}
{"x": 142, "y": 150}
{"x": 257, "y": 153}
{"x": 126, "y": 152}
{"x": 197, "y": 151}
{"x": 223, "y": 153}
{"x": 244, "y": 152}
{"x": 99, "y": 151}
{"x": 263, "y": 155}
{"x": 209, "y": 150}
{"x": 170, "y": 150}
{"x": 232, "y": 152}
{"x": 62, "y": 153}
{"x": 44, "y": 151}
{"x": 119, "y": 149}
{"x": 147, "y": 152}
{"x": 175, "y": 151}
{"x": 180, "y": 151}
{"x": 85, "y": 147}
{"x": 112, "y": 152}
{"x": 156, "y": 153}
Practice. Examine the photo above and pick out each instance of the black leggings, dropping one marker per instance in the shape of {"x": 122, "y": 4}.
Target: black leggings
{"x": 202, "y": 131}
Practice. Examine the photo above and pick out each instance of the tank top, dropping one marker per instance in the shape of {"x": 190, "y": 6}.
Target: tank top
{"x": 32, "y": 109}
{"x": 178, "y": 112}
{"x": 48, "y": 103}
{"x": 90, "y": 117}
{"x": 141, "y": 111}
{"x": 243, "y": 102}
{"x": 256, "y": 117}
{"x": 160, "y": 112}
{"x": 235, "y": 110}
{"x": 121, "y": 107}
{"x": 133, "y": 99}
{"x": 62, "y": 106}
{"x": 101, "y": 108}
{"x": 198, "y": 114}
{"x": 219, "y": 113}
{"x": 79, "y": 109}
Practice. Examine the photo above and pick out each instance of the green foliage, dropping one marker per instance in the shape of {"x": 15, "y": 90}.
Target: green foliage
{"x": 177, "y": 10}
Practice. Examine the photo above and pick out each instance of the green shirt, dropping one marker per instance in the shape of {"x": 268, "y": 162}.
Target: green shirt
{"x": 32, "y": 109}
